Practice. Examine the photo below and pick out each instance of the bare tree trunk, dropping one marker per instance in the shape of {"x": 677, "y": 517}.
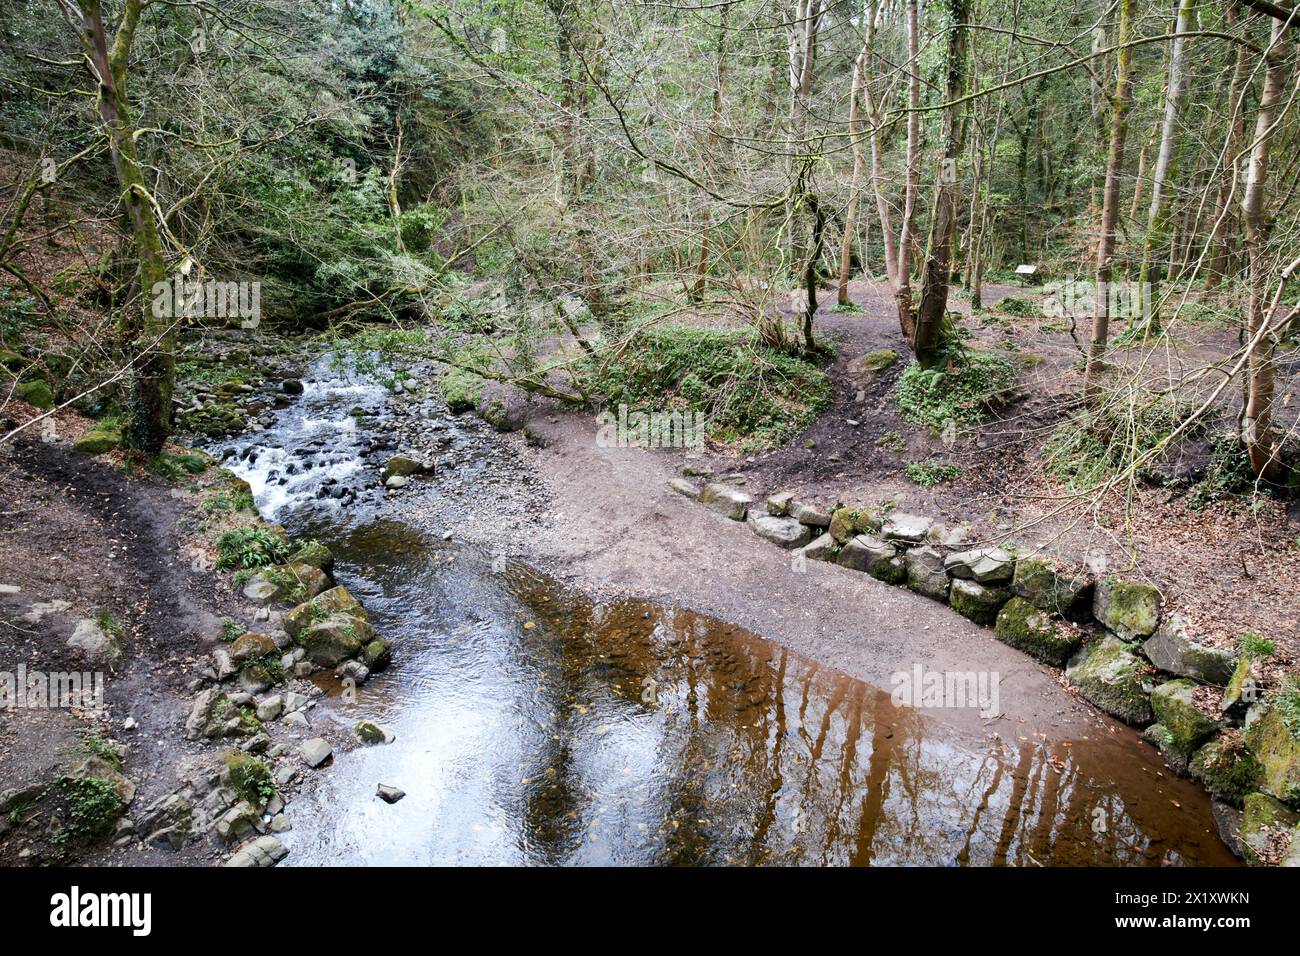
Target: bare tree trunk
{"x": 1153, "y": 271}
{"x": 1221, "y": 232}
{"x": 855, "y": 184}
{"x": 710, "y": 161}
{"x": 1257, "y": 421}
{"x": 933, "y": 306}
{"x": 903, "y": 286}
{"x": 1109, "y": 206}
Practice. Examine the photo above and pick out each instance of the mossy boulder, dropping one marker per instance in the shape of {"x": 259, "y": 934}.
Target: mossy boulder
{"x": 377, "y": 654}
{"x": 725, "y": 500}
{"x": 1243, "y": 686}
{"x": 248, "y": 776}
{"x": 402, "y": 466}
{"x": 1274, "y": 739}
{"x": 286, "y": 582}
{"x": 98, "y": 442}
{"x": 336, "y": 601}
{"x": 849, "y": 521}
{"x": 1177, "y": 758}
{"x": 1175, "y": 708}
{"x": 1130, "y": 609}
{"x": 1061, "y": 589}
{"x": 369, "y": 732}
{"x": 316, "y": 555}
{"x": 251, "y": 645}
{"x": 1267, "y": 829}
{"x": 866, "y": 367}
{"x": 36, "y": 392}
{"x": 332, "y": 641}
{"x": 1172, "y": 649}
{"x": 1026, "y": 628}
{"x": 925, "y": 573}
{"x": 976, "y": 601}
{"x": 1110, "y": 676}
{"x": 1226, "y": 767}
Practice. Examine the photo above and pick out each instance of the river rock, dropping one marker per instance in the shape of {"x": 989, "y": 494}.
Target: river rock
{"x": 726, "y": 500}
{"x": 925, "y": 573}
{"x": 1110, "y": 676}
{"x": 1128, "y": 608}
{"x": 369, "y": 732}
{"x": 390, "y": 794}
{"x": 263, "y": 852}
{"x": 316, "y": 555}
{"x": 239, "y": 822}
{"x": 821, "y": 548}
{"x": 900, "y": 526}
{"x": 684, "y": 487}
{"x": 976, "y": 601}
{"x": 1243, "y": 686}
{"x": 330, "y": 642}
{"x": 1273, "y": 738}
{"x": 1172, "y": 649}
{"x": 93, "y": 643}
{"x": 97, "y": 768}
{"x": 984, "y": 565}
{"x": 778, "y": 505}
{"x": 783, "y": 532}
{"x": 315, "y": 752}
{"x": 1021, "y": 625}
{"x": 1054, "y": 586}
{"x": 250, "y": 645}
{"x": 401, "y": 466}
{"x": 1265, "y": 822}
{"x": 377, "y": 654}
{"x": 1226, "y": 767}
{"x": 1186, "y": 727}
{"x": 849, "y": 521}
{"x": 335, "y": 601}
{"x": 809, "y": 514}
{"x": 270, "y": 708}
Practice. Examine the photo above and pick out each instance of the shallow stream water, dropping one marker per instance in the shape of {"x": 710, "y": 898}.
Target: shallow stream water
{"x": 537, "y": 727}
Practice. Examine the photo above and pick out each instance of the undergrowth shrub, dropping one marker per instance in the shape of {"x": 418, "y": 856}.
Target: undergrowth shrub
{"x": 750, "y": 394}
{"x": 249, "y": 546}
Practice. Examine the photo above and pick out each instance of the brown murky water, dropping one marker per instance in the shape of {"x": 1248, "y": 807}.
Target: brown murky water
{"x": 535, "y": 727}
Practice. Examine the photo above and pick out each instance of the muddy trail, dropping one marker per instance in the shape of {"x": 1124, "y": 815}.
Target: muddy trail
{"x": 539, "y": 722}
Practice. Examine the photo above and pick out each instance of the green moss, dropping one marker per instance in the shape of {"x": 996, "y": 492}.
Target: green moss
{"x": 849, "y": 521}
{"x": 927, "y": 474}
{"x": 97, "y": 442}
{"x": 1022, "y": 626}
{"x": 36, "y": 392}
{"x": 1109, "y": 675}
{"x": 748, "y": 393}
{"x": 1277, "y": 747}
{"x": 960, "y": 393}
{"x": 876, "y": 361}
{"x": 249, "y": 777}
{"x": 1227, "y": 768}
{"x": 93, "y": 805}
{"x": 460, "y": 389}
{"x": 1175, "y": 708}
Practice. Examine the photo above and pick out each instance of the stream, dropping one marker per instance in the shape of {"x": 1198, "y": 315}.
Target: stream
{"x": 535, "y": 726}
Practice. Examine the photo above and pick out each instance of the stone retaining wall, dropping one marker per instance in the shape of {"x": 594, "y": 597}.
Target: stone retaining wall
{"x": 1122, "y": 650}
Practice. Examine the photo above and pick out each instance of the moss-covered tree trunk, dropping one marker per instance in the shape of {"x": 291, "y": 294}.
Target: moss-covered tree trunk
{"x": 148, "y": 333}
